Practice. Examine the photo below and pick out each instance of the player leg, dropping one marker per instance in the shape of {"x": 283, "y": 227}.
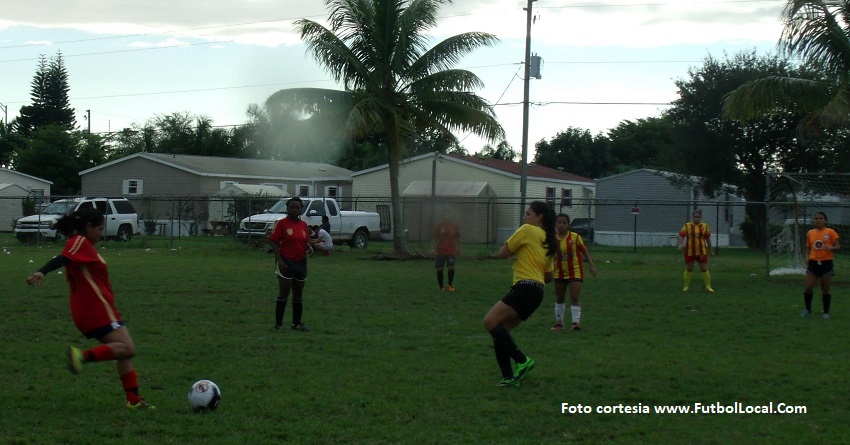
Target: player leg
{"x": 498, "y": 322}
{"x": 689, "y": 267}
{"x": 450, "y": 265}
{"x": 808, "y": 291}
{"x": 560, "y": 306}
{"x": 284, "y": 287}
{"x": 575, "y": 305}
{"x": 439, "y": 264}
{"x": 298, "y": 305}
{"x": 826, "y": 287}
{"x": 706, "y": 276}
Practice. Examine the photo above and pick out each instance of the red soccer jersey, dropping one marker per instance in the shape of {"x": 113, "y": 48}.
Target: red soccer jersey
{"x": 568, "y": 261}
{"x": 292, "y": 236}
{"x": 92, "y": 303}
{"x": 446, "y": 234}
{"x": 697, "y": 235}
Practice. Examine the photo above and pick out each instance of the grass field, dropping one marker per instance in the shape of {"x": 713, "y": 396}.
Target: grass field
{"x": 389, "y": 359}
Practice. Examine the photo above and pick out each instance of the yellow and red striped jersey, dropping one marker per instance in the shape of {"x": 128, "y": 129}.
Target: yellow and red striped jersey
{"x": 697, "y": 235}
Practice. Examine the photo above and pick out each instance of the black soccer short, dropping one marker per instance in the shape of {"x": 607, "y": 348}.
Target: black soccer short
{"x": 524, "y": 297}
{"x": 102, "y": 331}
{"x": 293, "y": 270}
{"x": 447, "y": 260}
{"x": 820, "y": 268}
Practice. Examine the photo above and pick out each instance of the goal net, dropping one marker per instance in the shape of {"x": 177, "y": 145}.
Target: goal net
{"x": 792, "y": 200}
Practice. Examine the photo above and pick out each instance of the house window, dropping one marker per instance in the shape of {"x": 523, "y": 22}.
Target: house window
{"x": 132, "y": 187}
{"x": 566, "y": 198}
{"x": 303, "y": 189}
{"x": 550, "y": 195}
{"x": 332, "y": 191}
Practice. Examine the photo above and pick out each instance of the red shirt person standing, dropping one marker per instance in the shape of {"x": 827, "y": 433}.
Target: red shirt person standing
{"x": 444, "y": 243}
{"x": 290, "y": 242}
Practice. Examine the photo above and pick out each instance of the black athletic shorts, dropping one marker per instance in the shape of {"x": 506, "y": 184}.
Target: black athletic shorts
{"x": 101, "y": 332}
{"x": 820, "y": 268}
{"x": 448, "y": 260}
{"x": 524, "y": 297}
{"x": 293, "y": 270}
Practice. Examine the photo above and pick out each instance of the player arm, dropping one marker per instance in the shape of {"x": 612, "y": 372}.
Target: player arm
{"x": 504, "y": 252}
{"x": 55, "y": 263}
{"x": 836, "y": 246}
{"x": 589, "y": 259}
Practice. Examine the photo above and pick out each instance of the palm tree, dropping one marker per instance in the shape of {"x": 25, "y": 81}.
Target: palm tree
{"x": 817, "y": 32}
{"x": 395, "y": 86}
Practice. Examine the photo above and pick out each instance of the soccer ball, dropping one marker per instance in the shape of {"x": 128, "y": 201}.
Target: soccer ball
{"x": 204, "y": 395}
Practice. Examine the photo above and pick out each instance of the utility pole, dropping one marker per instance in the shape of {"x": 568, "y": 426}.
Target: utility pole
{"x": 5, "y": 120}
{"x": 526, "y": 78}
{"x": 88, "y": 120}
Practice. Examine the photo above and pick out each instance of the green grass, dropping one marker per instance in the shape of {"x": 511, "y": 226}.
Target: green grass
{"x": 391, "y": 360}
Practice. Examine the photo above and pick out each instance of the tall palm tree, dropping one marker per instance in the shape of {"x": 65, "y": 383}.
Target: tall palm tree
{"x": 818, "y": 33}
{"x": 395, "y": 85}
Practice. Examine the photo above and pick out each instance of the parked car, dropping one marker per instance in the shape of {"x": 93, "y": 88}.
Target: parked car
{"x": 347, "y": 226}
{"x": 120, "y": 219}
{"x": 584, "y": 227}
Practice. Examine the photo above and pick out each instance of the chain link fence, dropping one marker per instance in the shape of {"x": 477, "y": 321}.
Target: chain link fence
{"x": 489, "y": 221}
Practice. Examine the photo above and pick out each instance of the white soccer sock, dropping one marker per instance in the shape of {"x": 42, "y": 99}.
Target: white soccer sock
{"x": 576, "y": 310}
{"x": 560, "y": 308}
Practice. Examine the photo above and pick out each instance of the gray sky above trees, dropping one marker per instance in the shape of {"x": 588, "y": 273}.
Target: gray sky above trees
{"x": 603, "y": 61}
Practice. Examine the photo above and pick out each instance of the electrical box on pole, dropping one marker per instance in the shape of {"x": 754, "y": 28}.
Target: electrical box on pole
{"x": 535, "y": 62}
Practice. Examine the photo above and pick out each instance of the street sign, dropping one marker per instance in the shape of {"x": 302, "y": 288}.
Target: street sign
{"x": 635, "y": 210}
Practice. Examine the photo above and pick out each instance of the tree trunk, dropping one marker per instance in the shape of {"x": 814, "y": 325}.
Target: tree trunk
{"x": 394, "y": 150}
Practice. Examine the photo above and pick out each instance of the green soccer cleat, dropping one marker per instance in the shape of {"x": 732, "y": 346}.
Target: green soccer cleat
{"x": 508, "y": 383}
{"x": 522, "y": 369}
{"x": 139, "y": 406}
{"x": 75, "y": 360}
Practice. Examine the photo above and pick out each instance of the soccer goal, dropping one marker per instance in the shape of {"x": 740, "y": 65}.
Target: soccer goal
{"x": 792, "y": 200}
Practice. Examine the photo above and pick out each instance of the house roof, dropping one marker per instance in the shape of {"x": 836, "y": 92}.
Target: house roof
{"x": 458, "y": 189}
{"x": 240, "y": 167}
{"x": 507, "y": 168}
{"x": 5, "y": 186}
{"x": 25, "y": 175}
{"x": 250, "y": 189}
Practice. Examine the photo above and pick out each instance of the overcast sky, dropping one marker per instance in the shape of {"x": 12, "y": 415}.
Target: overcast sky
{"x": 603, "y": 61}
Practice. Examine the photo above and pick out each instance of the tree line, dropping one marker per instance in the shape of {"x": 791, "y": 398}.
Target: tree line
{"x": 735, "y": 119}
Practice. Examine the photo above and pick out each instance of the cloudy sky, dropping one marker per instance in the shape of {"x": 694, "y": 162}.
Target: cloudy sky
{"x": 604, "y": 61}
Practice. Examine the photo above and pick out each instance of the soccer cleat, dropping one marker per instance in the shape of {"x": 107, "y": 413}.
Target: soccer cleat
{"x": 522, "y": 369}
{"x": 805, "y": 313}
{"x": 557, "y": 327}
{"x": 451, "y": 288}
{"x": 709, "y": 290}
{"x": 75, "y": 360}
{"x": 277, "y": 327}
{"x": 576, "y": 327}
{"x": 685, "y": 289}
{"x": 441, "y": 288}
{"x": 139, "y": 406}
{"x": 507, "y": 383}
{"x": 826, "y": 316}
{"x": 299, "y": 327}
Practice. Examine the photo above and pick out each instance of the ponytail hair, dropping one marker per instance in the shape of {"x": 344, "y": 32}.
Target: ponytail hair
{"x": 75, "y": 223}
{"x": 548, "y": 225}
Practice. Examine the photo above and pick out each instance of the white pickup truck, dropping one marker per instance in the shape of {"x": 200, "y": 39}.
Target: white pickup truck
{"x": 347, "y": 226}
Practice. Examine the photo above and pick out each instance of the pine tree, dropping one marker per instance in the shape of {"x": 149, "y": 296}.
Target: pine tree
{"x": 50, "y": 102}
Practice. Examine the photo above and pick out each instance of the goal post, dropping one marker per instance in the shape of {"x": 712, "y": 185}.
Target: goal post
{"x": 792, "y": 200}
